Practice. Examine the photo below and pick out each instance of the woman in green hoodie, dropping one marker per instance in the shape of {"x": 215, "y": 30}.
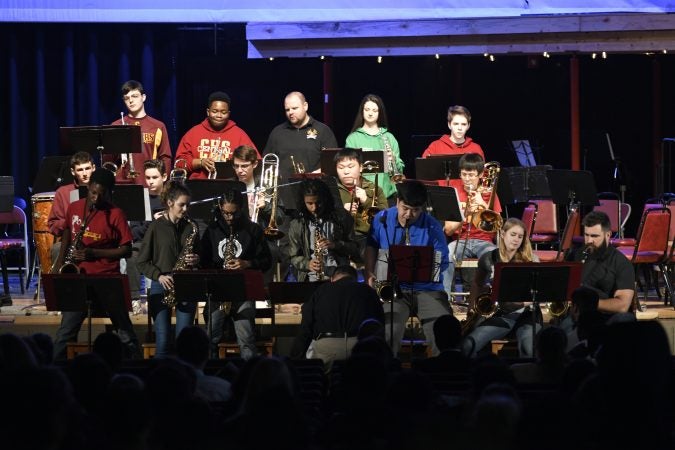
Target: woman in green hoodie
{"x": 369, "y": 132}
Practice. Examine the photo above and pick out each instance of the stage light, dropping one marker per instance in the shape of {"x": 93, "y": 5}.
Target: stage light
{"x": 665, "y": 52}
{"x": 322, "y": 57}
{"x": 492, "y": 58}
{"x": 379, "y": 60}
{"x": 594, "y": 55}
{"x": 604, "y": 55}
{"x": 546, "y": 55}
{"x": 271, "y": 58}
{"x": 437, "y": 56}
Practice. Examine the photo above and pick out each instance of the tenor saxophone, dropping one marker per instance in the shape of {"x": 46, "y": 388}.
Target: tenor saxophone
{"x": 69, "y": 264}
{"x": 319, "y": 253}
{"x": 181, "y": 263}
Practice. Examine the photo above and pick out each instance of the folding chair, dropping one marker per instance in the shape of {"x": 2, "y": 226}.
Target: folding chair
{"x": 545, "y": 228}
{"x": 8, "y": 243}
{"x": 565, "y": 241}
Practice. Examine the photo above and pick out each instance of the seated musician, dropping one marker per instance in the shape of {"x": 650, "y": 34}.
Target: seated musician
{"x": 606, "y": 270}
{"x": 356, "y": 193}
{"x": 469, "y": 240}
{"x": 81, "y": 167}
{"x": 322, "y": 237}
{"x": 233, "y": 242}
{"x": 513, "y": 247}
{"x": 409, "y": 223}
{"x": 169, "y": 243}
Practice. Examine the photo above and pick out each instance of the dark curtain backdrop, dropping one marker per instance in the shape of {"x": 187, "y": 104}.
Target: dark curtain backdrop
{"x": 55, "y": 75}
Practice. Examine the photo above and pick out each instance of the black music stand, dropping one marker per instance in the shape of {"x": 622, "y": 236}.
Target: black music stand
{"x": 6, "y": 193}
{"x": 572, "y": 187}
{"x": 53, "y": 172}
{"x": 223, "y": 285}
{"x": 104, "y": 139}
{"x": 535, "y": 282}
{"x": 134, "y": 200}
{"x": 205, "y": 194}
{"x": 437, "y": 167}
{"x": 443, "y": 204}
{"x": 410, "y": 264}
{"x": 96, "y": 294}
{"x": 521, "y": 184}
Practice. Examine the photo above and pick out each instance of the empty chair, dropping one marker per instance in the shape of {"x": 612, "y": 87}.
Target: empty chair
{"x": 546, "y": 223}
{"x": 529, "y": 218}
{"x": 16, "y": 241}
{"x": 565, "y": 241}
{"x": 651, "y": 242}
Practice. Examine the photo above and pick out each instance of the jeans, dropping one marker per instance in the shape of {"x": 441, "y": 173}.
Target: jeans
{"x": 71, "y": 322}
{"x": 498, "y": 326}
{"x": 243, "y": 318}
{"x": 131, "y": 269}
{"x": 470, "y": 248}
{"x": 161, "y": 316}
{"x": 427, "y": 305}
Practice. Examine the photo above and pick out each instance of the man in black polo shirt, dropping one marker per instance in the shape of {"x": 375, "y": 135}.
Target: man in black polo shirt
{"x": 332, "y": 316}
{"x": 301, "y": 137}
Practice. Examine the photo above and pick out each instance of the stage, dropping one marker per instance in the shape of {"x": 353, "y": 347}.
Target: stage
{"x": 26, "y": 316}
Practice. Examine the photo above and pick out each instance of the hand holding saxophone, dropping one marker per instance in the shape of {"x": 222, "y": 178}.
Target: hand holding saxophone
{"x": 237, "y": 264}
{"x": 166, "y": 281}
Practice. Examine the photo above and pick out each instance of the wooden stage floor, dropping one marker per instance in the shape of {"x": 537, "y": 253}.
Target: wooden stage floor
{"x": 26, "y": 316}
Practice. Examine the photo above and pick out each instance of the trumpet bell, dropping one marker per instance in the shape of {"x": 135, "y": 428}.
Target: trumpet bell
{"x": 485, "y": 306}
{"x": 488, "y": 221}
{"x": 69, "y": 268}
{"x": 557, "y": 309}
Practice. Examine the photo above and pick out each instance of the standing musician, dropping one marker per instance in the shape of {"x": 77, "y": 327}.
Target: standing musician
{"x": 456, "y": 142}
{"x": 469, "y": 240}
{"x": 409, "y": 223}
{"x": 211, "y": 140}
{"x": 169, "y": 244}
{"x": 155, "y": 176}
{"x": 100, "y": 237}
{"x": 358, "y": 195}
{"x": 370, "y": 132}
{"x": 322, "y": 237}
{"x": 299, "y": 140}
{"x": 155, "y": 138}
{"x": 514, "y": 247}
{"x": 233, "y": 242}
{"x": 81, "y": 167}
{"x": 244, "y": 161}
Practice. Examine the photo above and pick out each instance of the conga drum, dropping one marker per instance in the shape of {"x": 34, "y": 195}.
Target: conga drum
{"x": 43, "y": 239}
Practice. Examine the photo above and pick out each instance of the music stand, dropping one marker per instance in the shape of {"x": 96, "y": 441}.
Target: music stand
{"x": 437, "y": 167}
{"x": 524, "y": 152}
{"x": 134, "y": 200}
{"x": 104, "y": 139}
{"x": 572, "y": 186}
{"x": 443, "y": 203}
{"x": 410, "y": 264}
{"x": 521, "y": 184}
{"x": 6, "y": 193}
{"x": 223, "y": 285}
{"x": 205, "y": 193}
{"x": 53, "y": 172}
{"x": 96, "y": 294}
{"x": 534, "y": 282}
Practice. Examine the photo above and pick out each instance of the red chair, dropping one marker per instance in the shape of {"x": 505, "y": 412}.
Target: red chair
{"x": 529, "y": 218}
{"x": 651, "y": 242}
{"x": 9, "y": 243}
{"x": 546, "y": 225}
{"x": 565, "y": 241}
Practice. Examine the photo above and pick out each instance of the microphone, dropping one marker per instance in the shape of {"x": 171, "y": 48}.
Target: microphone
{"x": 585, "y": 253}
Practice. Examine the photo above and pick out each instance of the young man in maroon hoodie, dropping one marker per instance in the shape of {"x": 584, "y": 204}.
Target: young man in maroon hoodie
{"x": 214, "y": 139}
{"x": 457, "y": 142}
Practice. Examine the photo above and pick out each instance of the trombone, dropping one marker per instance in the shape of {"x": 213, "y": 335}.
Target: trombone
{"x": 269, "y": 180}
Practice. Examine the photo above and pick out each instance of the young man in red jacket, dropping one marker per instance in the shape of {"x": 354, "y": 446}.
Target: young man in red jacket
{"x": 214, "y": 139}
{"x": 457, "y": 142}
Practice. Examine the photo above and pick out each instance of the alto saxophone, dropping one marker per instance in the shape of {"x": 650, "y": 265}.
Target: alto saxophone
{"x": 229, "y": 255}
{"x": 319, "y": 253}
{"x": 392, "y": 170}
{"x": 69, "y": 264}
{"x": 181, "y": 263}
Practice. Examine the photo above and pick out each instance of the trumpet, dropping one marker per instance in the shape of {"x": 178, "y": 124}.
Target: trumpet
{"x": 297, "y": 168}
{"x": 179, "y": 174}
